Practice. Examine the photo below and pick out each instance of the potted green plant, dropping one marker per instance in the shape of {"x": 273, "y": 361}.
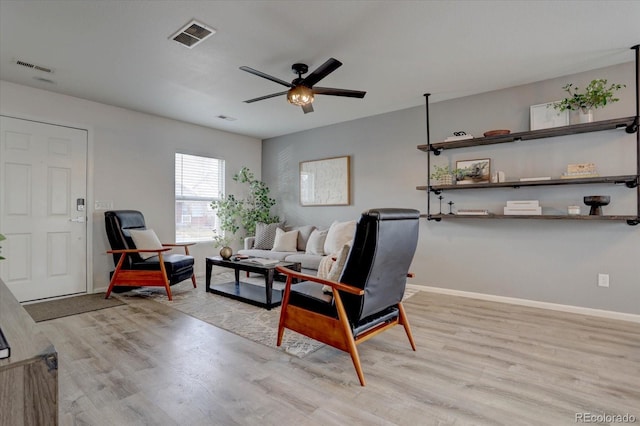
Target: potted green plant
{"x": 236, "y": 212}
{"x": 596, "y": 95}
{"x": 443, "y": 175}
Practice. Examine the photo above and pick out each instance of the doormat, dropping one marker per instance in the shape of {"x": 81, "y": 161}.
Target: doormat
{"x": 52, "y": 309}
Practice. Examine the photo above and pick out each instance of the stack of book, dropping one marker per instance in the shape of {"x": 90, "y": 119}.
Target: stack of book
{"x": 458, "y": 138}
{"x": 262, "y": 262}
{"x": 473, "y": 212}
{"x": 523, "y": 207}
{"x": 530, "y": 179}
{"x": 577, "y": 171}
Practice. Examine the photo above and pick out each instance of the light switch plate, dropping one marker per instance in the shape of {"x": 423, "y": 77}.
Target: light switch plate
{"x": 104, "y": 205}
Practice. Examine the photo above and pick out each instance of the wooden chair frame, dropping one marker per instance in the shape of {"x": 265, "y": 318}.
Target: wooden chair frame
{"x": 331, "y": 331}
{"x": 144, "y": 278}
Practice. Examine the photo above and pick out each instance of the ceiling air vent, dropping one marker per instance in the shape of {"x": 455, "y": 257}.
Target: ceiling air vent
{"x": 192, "y": 34}
{"x": 33, "y": 66}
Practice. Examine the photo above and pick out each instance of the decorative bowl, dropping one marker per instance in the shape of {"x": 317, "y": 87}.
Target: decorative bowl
{"x": 596, "y": 202}
{"x": 496, "y": 132}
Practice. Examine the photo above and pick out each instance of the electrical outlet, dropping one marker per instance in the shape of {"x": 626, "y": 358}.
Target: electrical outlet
{"x": 603, "y": 280}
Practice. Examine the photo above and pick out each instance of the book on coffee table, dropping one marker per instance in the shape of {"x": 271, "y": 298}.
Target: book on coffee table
{"x": 261, "y": 261}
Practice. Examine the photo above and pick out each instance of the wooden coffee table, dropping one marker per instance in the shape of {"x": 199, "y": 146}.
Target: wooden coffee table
{"x": 264, "y": 297}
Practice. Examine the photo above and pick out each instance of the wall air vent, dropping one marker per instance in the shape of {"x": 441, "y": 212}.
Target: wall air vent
{"x": 192, "y": 34}
{"x": 33, "y": 66}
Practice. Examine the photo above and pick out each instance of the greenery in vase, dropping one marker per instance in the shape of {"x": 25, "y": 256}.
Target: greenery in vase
{"x": 595, "y": 95}
{"x": 236, "y": 212}
{"x": 221, "y": 239}
{"x": 440, "y": 172}
{"x": 2, "y": 237}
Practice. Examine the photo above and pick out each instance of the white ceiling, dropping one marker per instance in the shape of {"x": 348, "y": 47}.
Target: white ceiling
{"x": 119, "y": 52}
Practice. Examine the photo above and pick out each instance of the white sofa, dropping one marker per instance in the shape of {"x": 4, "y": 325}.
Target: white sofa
{"x": 309, "y": 262}
{"x": 311, "y": 245}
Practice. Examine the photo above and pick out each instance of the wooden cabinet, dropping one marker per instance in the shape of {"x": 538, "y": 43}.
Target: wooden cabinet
{"x": 632, "y": 181}
{"x": 29, "y": 377}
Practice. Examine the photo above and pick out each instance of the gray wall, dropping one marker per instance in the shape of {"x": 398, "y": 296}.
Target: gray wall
{"x": 546, "y": 261}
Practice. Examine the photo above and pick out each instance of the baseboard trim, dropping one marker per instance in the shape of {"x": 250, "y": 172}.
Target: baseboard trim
{"x": 532, "y": 303}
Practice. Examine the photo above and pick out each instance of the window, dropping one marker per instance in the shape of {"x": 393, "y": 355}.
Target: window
{"x": 199, "y": 181}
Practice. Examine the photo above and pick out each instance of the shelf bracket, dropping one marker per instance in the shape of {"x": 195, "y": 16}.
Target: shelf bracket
{"x": 436, "y": 151}
{"x": 633, "y": 222}
{"x": 436, "y": 191}
{"x": 631, "y": 183}
{"x": 633, "y": 127}
{"x": 430, "y": 217}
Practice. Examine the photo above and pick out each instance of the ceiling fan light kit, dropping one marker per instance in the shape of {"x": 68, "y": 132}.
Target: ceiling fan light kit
{"x": 300, "y": 96}
{"x": 301, "y": 91}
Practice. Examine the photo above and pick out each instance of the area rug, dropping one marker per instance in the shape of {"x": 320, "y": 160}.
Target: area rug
{"x": 52, "y": 309}
{"x": 251, "y": 322}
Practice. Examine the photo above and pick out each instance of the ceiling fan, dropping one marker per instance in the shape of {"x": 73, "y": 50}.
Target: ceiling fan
{"x": 301, "y": 90}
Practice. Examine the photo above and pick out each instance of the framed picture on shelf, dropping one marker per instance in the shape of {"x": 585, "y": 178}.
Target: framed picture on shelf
{"x": 473, "y": 171}
{"x": 545, "y": 116}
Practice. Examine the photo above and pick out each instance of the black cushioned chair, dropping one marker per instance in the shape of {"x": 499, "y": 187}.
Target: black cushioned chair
{"x": 131, "y": 270}
{"x": 368, "y": 298}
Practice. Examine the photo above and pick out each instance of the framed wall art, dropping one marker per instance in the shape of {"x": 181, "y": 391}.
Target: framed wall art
{"x": 545, "y": 116}
{"x": 473, "y": 171}
{"x": 325, "y": 182}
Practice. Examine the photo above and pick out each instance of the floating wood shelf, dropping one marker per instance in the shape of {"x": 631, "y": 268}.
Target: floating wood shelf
{"x": 540, "y": 217}
{"x": 618, "y": 123}
{"x": 630, "y": 181}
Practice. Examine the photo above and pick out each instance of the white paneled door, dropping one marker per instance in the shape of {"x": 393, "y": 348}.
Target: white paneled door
{"x": 43, "y": 168}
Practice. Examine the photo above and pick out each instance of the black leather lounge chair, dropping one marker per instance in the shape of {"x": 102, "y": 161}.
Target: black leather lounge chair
{"x": 136, "y": 267}
{"x": 368, "y": 298}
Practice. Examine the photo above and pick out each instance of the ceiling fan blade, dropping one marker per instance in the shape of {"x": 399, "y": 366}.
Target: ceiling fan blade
{"x": 307, "y": 108}
{"x": 321, "y": 72}
{"x": 273, "y": 95}
{"x": 267, "y": 76}
{"x": 339, "y": 92}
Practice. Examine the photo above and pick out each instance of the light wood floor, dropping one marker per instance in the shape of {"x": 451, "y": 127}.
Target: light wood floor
{"x": 478, "y": 363}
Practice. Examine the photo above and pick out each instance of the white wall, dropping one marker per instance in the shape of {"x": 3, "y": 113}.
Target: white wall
{"x": 132, "y": 160}
{"x": 545, "y": 261}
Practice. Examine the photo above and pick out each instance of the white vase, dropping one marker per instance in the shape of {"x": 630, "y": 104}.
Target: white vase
{"x": 585, "y": 117}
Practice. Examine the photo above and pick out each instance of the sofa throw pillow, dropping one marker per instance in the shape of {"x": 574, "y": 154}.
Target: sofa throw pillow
{"x": 304, "y": 232}
{"x": 315, "y": 245}
{"x": 265, "y": 235}
{"x": 339, "y": 234}
{"x": 145, "y": 239}
{"x": 285, "y": 241}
